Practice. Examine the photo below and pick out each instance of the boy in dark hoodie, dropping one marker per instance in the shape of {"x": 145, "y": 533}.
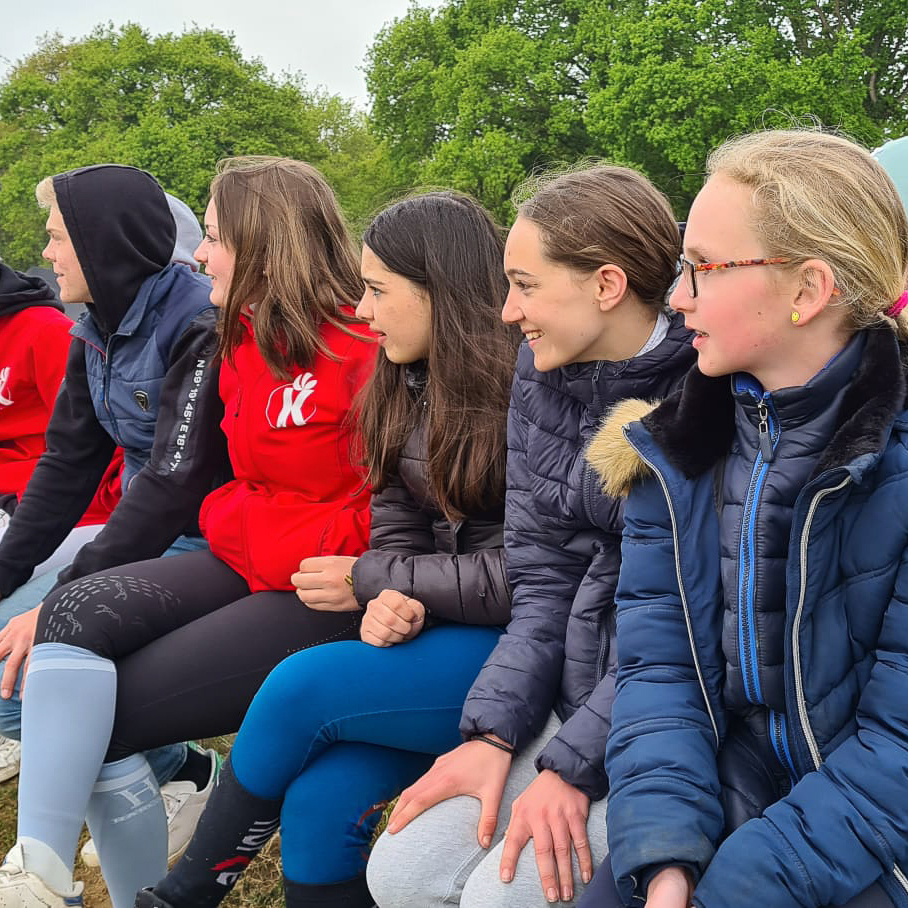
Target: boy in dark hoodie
{"x": 139, "y": 375}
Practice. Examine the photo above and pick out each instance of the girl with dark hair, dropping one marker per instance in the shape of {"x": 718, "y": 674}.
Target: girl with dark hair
{"x": 337, "y": 731}
{"x": 590, "y": 259}
{"x": 172, "y": 649}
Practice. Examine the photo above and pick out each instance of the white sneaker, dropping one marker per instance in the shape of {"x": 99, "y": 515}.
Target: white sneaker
{"x": 21, "y": 889}
{"x": 183, "y": 805}
{"x": 10, "y": 757}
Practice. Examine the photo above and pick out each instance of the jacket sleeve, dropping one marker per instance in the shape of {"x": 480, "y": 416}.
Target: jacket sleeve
{"x": 469, "y": 588}
{"x": 78, "y": 451}
{"x": 188, "y": 456}
{"x": 514, "y": 692}
{"x": 844, "y": 825}
{"x": 664, "y": 803}
{"x": 577, "y": 751}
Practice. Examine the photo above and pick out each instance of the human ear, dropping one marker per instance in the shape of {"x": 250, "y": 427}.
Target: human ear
{"x": 816, "y": 288}
{"x": 611, "y": 286}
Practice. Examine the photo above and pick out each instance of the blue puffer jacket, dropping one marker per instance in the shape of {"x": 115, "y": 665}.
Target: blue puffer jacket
{"x": 844, "y": 824}
{"x": 126, "y": 370}
{"x": 562, "y": 543}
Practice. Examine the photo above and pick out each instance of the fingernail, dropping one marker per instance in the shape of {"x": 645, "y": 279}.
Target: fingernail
{"x": 5, "y": 693}
{"x": 486, "y": 841}
{"x": 586, "y": 876}
{"x": 505, "y": 876}
{"x": 552, "y": 894}
{"x": 566, "y": 894}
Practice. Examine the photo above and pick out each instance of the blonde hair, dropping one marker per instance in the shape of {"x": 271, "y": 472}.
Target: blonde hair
{"x": 45, "y": 194}
{"x": 295, "y": 260}
{"x": 822, "y": 196}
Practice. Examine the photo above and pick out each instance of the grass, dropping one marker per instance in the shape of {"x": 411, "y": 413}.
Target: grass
{"x": 260, "y": 886}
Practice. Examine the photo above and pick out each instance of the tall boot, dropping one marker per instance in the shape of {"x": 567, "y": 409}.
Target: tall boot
{"x": 233, "y": 829}
{"x": 348, "y": 894}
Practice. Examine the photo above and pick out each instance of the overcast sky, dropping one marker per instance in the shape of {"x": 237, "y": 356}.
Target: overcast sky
{"x": 325, "y": 40}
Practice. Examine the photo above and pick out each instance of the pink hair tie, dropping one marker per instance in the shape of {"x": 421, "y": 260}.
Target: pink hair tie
{"x": 894, "y": 310}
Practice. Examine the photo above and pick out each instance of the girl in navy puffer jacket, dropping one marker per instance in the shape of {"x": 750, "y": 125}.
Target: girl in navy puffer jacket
{"x": 589, "y": 259}
{"x": 759, "y": 746}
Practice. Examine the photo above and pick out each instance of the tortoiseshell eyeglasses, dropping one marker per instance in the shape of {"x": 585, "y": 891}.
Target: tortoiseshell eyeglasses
{"x": 689, "y": 269}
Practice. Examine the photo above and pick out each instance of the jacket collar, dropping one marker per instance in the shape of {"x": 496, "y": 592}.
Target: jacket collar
{"x": 695, "y": 426}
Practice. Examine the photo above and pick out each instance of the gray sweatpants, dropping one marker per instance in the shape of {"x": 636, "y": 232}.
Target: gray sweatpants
{"x": 436, "y": 860}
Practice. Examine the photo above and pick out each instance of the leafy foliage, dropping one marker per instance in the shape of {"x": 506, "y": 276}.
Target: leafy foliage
{"x": 482, "y": 92}
{"x": 174, "y": 105}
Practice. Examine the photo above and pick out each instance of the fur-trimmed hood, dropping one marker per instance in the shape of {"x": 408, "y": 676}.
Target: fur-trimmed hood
{"x": 695, "y": 425}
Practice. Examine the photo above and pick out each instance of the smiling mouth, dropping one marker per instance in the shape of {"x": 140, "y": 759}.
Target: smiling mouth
{"x": 533, "y": 335}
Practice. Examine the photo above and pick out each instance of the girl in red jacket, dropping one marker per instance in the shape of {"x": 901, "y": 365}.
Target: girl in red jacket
{"x": 172, "y": 649}
{"x": 319, "y": 760}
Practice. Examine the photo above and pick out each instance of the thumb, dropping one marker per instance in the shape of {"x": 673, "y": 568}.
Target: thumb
{"x": 490, "y": 804}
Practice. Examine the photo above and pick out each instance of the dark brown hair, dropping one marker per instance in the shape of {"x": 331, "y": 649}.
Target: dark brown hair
{"x": 447, "y": 244}
{"x": 295, "y": 260}
{"x": 605, "y": 213}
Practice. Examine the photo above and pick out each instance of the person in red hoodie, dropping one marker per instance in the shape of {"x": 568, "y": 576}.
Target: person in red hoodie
{"x": 34, "y": 342}
{"x": 171, "y": 649}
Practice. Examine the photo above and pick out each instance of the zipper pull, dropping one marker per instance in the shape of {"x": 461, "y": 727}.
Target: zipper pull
{"x": 763, "y": 429}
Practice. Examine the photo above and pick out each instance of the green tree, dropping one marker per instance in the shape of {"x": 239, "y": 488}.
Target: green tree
{"x": 481, "y": 92}
{"x": 174, "y": 105}
{"x": 677, "y": 77}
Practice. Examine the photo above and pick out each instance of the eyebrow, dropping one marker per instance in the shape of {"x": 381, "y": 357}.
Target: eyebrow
{"x": 697, "y": 252}
{"x": 372, "y": 282}
{"x": 513, "y": 272}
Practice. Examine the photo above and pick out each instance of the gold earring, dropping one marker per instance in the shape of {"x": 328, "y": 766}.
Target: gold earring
{"x": 795, "y": 317}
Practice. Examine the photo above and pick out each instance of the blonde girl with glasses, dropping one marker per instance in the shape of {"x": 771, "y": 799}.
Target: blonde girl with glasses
{"x": 759, "y": 746}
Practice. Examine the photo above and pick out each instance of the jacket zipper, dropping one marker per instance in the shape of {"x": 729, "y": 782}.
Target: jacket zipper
{"x": 778, "y": 734}
{"x": 106, "y": 390}
{"x": 809, "y": 737}
{"x": 768, "y": 430}
{"x": 684, "y": 606}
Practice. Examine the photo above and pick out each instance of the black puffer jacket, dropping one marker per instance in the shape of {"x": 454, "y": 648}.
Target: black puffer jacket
{"x": 563, "y": 539}
{"x": 456, "y": 570}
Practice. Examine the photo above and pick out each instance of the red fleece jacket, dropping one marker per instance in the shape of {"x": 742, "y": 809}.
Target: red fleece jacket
{"x": 295, "y": 492}
{"x": 33, "y": 346}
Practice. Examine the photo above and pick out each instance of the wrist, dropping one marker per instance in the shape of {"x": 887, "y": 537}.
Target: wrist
{"x": 496, "y": 742}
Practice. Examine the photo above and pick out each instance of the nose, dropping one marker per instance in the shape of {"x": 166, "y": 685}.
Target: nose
{"x": 364, "y": 307}
{"x": 199, "y": 255}
{"x": 680, "y": 299}
{"x": 511, "y": 311}
{"x": 46, "y": 252}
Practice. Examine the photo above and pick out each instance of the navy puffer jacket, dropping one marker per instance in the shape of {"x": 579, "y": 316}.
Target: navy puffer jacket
{"x": 562, "y": 540}
{"x": 844, "y": 824}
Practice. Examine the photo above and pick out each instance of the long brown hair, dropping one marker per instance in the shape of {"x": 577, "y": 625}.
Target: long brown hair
{"x": 447, "y": 244}
{"x": 295, "y": 259}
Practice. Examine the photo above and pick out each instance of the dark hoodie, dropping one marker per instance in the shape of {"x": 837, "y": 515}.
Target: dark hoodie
{"x": 21, "y": 291}
{"x": 122, "y": 230}
{"x": 148, "y": 320}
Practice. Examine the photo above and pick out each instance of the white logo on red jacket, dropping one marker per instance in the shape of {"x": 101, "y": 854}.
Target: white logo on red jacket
{"x": 295, "y": 407}
{"x": 4, "y": 379}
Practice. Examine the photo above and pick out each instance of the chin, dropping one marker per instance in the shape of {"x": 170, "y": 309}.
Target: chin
{"x": 712, "y": 369}
{"x": 542, "y": 363}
